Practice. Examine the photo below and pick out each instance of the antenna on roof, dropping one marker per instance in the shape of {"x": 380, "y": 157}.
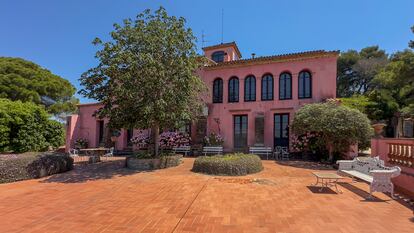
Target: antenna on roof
{"x": 222, "y": 25}
{"x": 203, "y": 39}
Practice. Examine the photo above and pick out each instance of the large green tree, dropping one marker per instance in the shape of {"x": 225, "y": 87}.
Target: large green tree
{"x": 356, "y": 70}
{"x": 28, "y": 82}
{"x": 337, "y": 125}
{"x": 394, "y": 86}
{"x": 146, "y": 76}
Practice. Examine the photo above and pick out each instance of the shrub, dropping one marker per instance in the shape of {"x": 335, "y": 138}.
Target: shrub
{"x": 337, "y": 126}
{"x": 33, "y": 165}
{"x": 168, "y": 139}
{"x": 49, "y": 164}
{"x": 27, "y": 127}
{"x": 81, "y": 143}
{"x": 237, "y": 164}
{"x": 213, "y": 140}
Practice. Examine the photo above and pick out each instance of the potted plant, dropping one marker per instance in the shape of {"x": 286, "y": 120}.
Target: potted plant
{"x": 114, "y": 135}
{"x": 81, "y": 143}
{"x": 378, "y": 129}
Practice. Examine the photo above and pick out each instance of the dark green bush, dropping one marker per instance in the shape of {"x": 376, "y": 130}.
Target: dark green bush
{"x": 33, "y": 165}
{"x": 237, "y": 164}
{"x": 27, "y": 127}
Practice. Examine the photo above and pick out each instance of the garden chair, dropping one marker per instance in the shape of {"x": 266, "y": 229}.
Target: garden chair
{"x": 73, "y": 152}
{"x": 110, "y": 152}
{"x": 284, "y": 153}
{"x": 277, "y": 152}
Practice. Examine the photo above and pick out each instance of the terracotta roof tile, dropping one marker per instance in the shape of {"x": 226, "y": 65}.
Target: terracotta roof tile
{"x": 223, "y": 45}
{"x": 276, "y": 58}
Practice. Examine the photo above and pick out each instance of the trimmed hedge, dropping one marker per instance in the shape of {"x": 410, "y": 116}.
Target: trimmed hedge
{"x": 33, "y": 165}
{"x": 237, "y": 164}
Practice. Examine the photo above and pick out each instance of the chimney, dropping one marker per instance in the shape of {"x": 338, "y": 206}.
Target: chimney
{"x": 253, "y": 55}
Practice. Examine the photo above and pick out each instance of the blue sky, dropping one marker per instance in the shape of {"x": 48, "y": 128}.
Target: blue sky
{"x": 58, "y": 34}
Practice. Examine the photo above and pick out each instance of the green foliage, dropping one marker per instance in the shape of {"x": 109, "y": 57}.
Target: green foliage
{"x": 27, "y": 127}
{"x": 338, "y": 126}
{"x": 394, "y": 84}
{"x": 26, "y": 81}
{"x": 15, "y": 167}
{"x": 146, "y": 74}
{"x": 357, "y": 69}
{"x": 237, "y": 164}
{"x": 358, "y": 102}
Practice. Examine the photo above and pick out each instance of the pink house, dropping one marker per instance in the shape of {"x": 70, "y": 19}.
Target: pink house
{"x": 251, "y": 101}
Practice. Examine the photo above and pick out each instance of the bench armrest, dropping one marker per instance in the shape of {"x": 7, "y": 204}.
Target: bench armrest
{"x": 393, "y": 172}
{"x": 345, "y": 164}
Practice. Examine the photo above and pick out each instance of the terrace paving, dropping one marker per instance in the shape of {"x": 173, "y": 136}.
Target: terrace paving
{"x": 106, "y": 198}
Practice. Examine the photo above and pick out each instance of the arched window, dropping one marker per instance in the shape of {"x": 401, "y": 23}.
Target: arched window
{"x": 234, "y": 89}
{"x": 285, "y": 86}
{"x": 267, "y": 87}
{"x": 218, "y": 56}
{"x": 305, "y": 85}
{"x": 250, "y": 88}
{"x": 218, "y": 90}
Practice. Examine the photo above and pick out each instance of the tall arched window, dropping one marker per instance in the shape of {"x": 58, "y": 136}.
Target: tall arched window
{"x": 218, "y": 56}
{"x": 267, "y": 87}
{"x": 218, "y": 90}
{"x": 234, "y": 89}
{"x": 250, "y": 88}
{"x": 285, "y": 86}
{"x": 305, "y": 85}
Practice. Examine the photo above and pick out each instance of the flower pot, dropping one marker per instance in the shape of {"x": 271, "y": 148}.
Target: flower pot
{"x": 114, "y": 138}
{"x": 378, "y": 129}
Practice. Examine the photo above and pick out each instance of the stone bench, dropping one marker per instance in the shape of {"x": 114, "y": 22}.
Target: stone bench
{"x": 372, "y": 171}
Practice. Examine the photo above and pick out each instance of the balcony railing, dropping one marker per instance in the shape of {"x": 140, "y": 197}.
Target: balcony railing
{"x": 401, "y": 154}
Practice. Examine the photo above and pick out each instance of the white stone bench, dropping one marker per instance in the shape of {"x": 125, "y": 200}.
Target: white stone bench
{"x": 371, "y": 170}
{"x": 261, "y": 150}
{"x": 217, "y": 150}
{"x": 182, "y": 149}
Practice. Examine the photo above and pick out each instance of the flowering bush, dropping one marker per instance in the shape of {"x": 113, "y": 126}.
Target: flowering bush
{"x": 142, "y": 139}
{"x": 338, "y": 126}
{"x": 81, "y": 143}
{"x": 168, "y": 140}
{"x": 305, "y": 142}
{"x": 213, "y": 140}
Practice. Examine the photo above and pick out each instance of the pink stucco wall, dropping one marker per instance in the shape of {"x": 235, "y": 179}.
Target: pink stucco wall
{"x": 230, "y": 51}
{"x": 379, "y": 147}
{"x": 85, "y": 125}
{"x": 323, "y": 86}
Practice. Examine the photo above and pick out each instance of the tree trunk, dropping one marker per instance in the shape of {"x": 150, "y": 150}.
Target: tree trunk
{"x": 156, "y": 134}
{"x": 330, "y": 151}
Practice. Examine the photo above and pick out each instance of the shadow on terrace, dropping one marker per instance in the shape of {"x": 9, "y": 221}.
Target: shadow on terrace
{"x": 90, "y": 172}
{"x": 305, "y": 164}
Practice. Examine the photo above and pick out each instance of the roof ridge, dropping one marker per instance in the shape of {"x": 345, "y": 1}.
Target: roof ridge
{"x": 304, "y": 54}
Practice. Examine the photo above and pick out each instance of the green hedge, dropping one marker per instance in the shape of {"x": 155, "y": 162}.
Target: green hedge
{"x": 237, "y": 164}
{"x": 27, "y": 127}
{"x": 33, "y": 165}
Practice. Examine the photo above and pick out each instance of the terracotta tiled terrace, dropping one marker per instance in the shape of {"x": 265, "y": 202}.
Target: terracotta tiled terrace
{"x": 106, "y": 198}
